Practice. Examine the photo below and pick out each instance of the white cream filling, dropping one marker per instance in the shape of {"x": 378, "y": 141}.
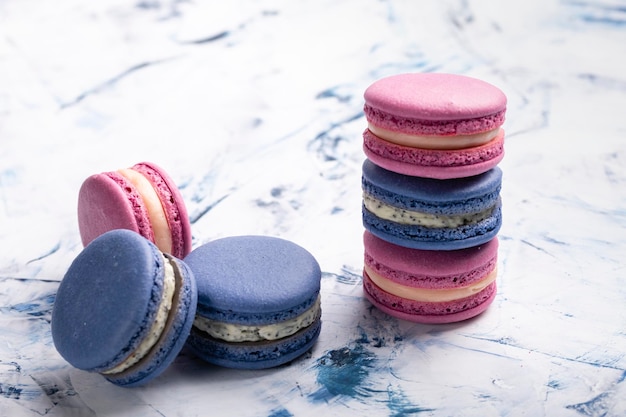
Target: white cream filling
{"x": 165, "y": 305}
{"x": 152, "y": 202}
{"x": 434, "y": 142}
{"x": 242, "y": 333}
{"x": 430, "y": 295}
{"x": 402, "y": 216}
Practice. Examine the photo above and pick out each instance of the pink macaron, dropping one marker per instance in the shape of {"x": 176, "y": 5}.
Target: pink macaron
{"x": 429, "y": 286}
{"x": 434, "y": 125}
{"x": 143, "y": 199}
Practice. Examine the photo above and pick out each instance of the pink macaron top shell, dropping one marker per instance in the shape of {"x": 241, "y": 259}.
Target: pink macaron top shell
{"x": 108, "y": 201}
{"x": 434, "y": 104}
{"x": 429, "y": 269}
{"x": 173, "y": 206}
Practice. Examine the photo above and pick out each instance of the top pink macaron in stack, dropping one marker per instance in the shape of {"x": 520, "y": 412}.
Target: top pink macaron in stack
{"x": 434, "y": 125}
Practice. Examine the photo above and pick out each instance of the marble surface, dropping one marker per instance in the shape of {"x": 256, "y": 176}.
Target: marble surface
{"x": 255, "y": 109}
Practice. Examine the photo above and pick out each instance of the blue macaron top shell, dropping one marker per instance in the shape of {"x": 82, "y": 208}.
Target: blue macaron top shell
{"x": 447, "y": 197}
{"x": 254, "y": 279}
{"x": 107, "y": 300}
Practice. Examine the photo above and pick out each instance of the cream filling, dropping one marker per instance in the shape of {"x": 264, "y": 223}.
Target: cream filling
{"x": 430, "y": 295}
{"x": 158, "y": 219}
{"x": 434, "y": 142}
{"x": 242, "y": 333}
{"x": 165, "y": 305}
{"x": 409, "y": 217}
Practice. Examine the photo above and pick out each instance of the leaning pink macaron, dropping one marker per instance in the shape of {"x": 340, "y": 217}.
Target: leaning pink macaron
{"x": 143, "y": 199}
{"x": 434, "y": 125}
{"x": 429, "y": 286}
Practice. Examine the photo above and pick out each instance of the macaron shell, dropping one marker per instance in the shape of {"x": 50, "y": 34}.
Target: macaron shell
{"x": 107, "y": 202}
{"x": 173, "y": 205}
{"x": 429, "y": 313}
{"x": 435, "y": 96}
{"x": 429, "y": 163}
{"x": 459, "y": 195}
{"x": 107, "y": 300}
{"x": 254, "y": 355}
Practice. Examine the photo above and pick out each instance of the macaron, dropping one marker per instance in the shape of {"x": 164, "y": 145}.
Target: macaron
{"x": 431, "y": 214}
{"x": 258, "y": 301}
{"x": 434, "y": 125}
{"x": 429, "y": 286}
{"x": 123, "y": 309}
{"x": 142, "y": 198}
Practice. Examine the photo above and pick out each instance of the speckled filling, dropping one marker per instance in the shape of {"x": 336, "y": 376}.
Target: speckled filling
{"x": 251, "y": 333}
{"x": 446, "y": 208}
{"x": 253, "y": 355}
{"x": 256, "y": 319}
{"x": 487, "y": 226}
{"x": 410, "y": 217}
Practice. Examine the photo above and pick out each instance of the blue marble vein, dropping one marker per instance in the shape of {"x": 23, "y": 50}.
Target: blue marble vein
{"x": 344, "y": 372}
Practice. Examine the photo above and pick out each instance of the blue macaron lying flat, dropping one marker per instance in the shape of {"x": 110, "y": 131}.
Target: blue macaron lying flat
{"x": 258, "y": 301}
{"x": 431, "y": 214}
{"x": 123, "y": 309}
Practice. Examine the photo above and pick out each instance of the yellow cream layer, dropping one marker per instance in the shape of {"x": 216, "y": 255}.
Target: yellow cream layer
{"x": 402, "y": 216}
{"x": 243, "y": 333}
{"x": 165, "y": 305}
{"x": 434, "y": 142}
{"x": 430, "y": 295}
{"x": 158, "y": 219}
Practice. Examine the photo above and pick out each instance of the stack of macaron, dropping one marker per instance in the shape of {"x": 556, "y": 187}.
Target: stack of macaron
{"x": 137, "y": 294}
{"x": 431, "y": 195}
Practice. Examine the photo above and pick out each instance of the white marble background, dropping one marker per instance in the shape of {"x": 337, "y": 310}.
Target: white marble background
{"x": 254, "y": 107}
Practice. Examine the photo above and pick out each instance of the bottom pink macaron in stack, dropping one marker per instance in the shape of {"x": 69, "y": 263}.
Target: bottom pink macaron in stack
{"x": 429, "y": 286}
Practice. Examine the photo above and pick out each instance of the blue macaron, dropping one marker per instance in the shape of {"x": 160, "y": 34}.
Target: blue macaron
{"x": 258, "y": 301}
{"x": 123, "y": 309}
{"x": 431, "y": 214}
